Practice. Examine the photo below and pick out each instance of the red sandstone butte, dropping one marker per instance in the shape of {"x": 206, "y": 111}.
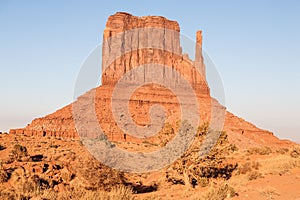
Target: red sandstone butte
{"x": 61, "y": 123}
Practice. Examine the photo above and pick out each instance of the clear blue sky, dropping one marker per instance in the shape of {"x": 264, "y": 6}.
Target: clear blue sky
{"x": 254, "y": 44}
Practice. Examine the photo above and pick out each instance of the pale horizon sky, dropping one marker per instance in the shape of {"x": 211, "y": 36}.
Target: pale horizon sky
{"x": 254, "y": 45}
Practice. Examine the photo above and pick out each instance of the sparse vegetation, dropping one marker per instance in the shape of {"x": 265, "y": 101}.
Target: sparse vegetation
{"x": 18, "y": 152}
{"x": 260, "y": 151}
{"x": 81, "y": 193}
{"x": 295, "y": 153}
{"x": 60, "y": 172}
{"x": 254, "y": 175}
{"x": 245, "y": 168}
{"x": 3, "y": 175}
{"x": 200, "y": 170}
{"x": 282, "y": 150}
{"x": 29, "y": 190}
{"x": 54, "y": 146}
{"x": 269, "y": 192}
{"x": 278, "y": 165}
{"x": 220, "y": 193}
{"x": 165, "y": 134}
{"x": 248, "y": 167}
{"x": 203, "y": 129}
{"x": 203, "y": 181}
{"x": 233, "y": 148}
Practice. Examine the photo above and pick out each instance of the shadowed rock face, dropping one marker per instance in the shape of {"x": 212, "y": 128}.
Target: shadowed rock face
{"x": 117, "y": 62}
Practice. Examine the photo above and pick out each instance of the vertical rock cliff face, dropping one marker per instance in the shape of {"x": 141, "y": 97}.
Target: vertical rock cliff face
{"x": 131, "y": 41}
{"x": 199, "y": 62}
{"x": 132, "y": 47}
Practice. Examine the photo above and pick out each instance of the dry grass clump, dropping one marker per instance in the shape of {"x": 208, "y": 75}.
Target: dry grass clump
{"x": 254, "y": 175}
{"x": 295, "y": 153}
{"x": 260, "y": 151}
{"x": 269, "y": 192}
{"x": 280, "y": 164}
{"x": 120, "y": 192}
{"x": 248, "y": 167}
{"x": 245, "y": 168}
{"x": 220, "y": 193}
{"x": 80, "y": 193}
{"x": 251, "y": 169}
{"x": 203, "y": 182}
{"x": 30, "y": 191}
{"x": 282, "y": 150}
{"x": 165, "y": 135}
{"x": 3, "y": 176}
{"x": 203, "y": 129}
{"x": 9, "y": 195}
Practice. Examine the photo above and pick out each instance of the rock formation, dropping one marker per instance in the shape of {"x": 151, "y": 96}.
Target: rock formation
{"x": 118, "y": 61}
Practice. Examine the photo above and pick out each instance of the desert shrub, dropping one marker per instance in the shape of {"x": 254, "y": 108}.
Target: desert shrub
{"x": 233, "y": 148}
{"x": 260, "y": 151}
{"x": 199, "y": 175}
{"x": 9, "y": 195}
{"x": 203, "y": 129}
{"x": 3, "y": 176}
{"x": 223, "y": 139}
{"x": 54, "y": 146}
{"x": 168, "y": 129}
{"x": 220, "y": 193}
{"x": 255, "y": 165}
{"x": 203, "y": 181}
{"x": 165, "y": 135}
{"x": 254, "y": 175}
{"x": 248, "y": 167}
{"x": 245, "y": 168}
{"x": 18, "y": 152}
{"x": 217, "y": 172}
{"x": 295, "y": 153}
{"x": 282, "y": 150}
